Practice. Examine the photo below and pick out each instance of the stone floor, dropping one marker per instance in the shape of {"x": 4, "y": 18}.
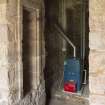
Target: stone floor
{"x": 62, "y": 98}
{"x": 71, "y": 101}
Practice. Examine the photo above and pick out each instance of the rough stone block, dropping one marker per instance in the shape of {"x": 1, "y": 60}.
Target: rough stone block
{"x": 3, "y": 1}
{"x": 97, "y": 40}
{"x": 97, "y": 16}
{"x": 12, "y": 8}
{"x": 3, "y": 102}
{"x": 3, "y": 8}
{"x": 4, "y": 79}
{"x": 3, "y": 50}
{"x": 97, "y": 62}
{"x": 13, "y": 79}
{"x": 12, "y": 30}
{"x": 4, "y": 87}
{"x": 13, "y": 52}
{"x": 97, "y": 100}
{"x": 97, "y": 83}
{"x": 3, "y": 33}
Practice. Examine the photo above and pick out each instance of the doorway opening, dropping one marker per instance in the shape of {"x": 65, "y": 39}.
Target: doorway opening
{"x": 26, "y": 52}
{"x": 71, "y": 17}
{"x": 30, "y": 51}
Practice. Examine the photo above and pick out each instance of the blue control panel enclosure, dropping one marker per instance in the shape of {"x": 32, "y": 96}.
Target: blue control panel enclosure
{"x": 72, "y": 71}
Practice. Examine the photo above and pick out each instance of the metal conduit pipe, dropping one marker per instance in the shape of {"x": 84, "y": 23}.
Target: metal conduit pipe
{"x": 64, "y": 36}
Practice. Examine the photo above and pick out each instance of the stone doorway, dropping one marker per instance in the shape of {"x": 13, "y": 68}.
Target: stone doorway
{"x": 73, "y": 17}
{"x": 30, "y": 48}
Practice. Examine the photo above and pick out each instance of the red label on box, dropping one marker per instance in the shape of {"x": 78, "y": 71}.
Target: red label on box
{"x": 70, "y": 87}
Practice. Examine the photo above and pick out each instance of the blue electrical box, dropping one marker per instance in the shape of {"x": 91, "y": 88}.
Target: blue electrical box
{"x": 72, "y": 72}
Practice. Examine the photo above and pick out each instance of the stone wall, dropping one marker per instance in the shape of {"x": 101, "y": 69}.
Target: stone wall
{"x": 3, "y": 54}
{"x": 97, "y": 52}
{"x": 11, "y": 73}
{"x": 54, "y": 54}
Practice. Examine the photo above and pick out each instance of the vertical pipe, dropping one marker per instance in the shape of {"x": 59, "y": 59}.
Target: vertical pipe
{"x": 82, "y": 31}
{"x": 63, "y": 23}
{"x": 83, "y": 38}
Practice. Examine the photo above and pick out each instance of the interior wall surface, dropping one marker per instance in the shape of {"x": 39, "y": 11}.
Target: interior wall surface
{"x": 11, "y": 74}
{"x": 97, "y": 52}
{"x": 54, "y": 43}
